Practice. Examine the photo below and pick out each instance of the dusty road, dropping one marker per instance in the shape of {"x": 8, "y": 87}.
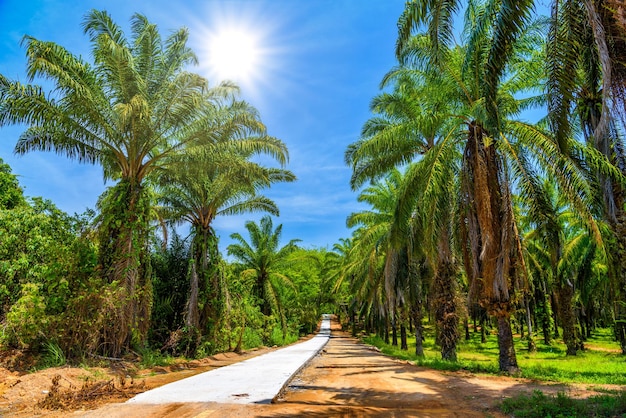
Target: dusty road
{"x": 349, "y": 379}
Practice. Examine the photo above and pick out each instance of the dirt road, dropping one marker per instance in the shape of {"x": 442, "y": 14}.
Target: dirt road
{"x": 350, "y": 379}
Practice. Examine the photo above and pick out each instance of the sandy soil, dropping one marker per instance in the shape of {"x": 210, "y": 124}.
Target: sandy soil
{"x": 347, "y": 379}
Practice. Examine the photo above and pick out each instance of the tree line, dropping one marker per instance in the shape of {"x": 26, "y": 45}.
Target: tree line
{"x": 476, "y": 213}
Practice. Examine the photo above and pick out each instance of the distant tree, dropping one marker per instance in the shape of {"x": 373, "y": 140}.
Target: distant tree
{"x": 264, "y": 262}
{"x": 560, "y": 248}
{"x": 11, "y": 194}
{"x": 222, "y": 183}
{"x": 170, "y": 264}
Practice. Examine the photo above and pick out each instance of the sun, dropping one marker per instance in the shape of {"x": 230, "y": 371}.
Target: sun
{"x": 234, "y": 54}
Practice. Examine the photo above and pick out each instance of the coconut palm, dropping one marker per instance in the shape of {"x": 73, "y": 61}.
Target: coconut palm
{"x": 134, "y": 112}
{"x": 264, "y": 262}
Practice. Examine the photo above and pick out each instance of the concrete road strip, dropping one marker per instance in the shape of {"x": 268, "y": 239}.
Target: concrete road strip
{"x": 256, "y": 380}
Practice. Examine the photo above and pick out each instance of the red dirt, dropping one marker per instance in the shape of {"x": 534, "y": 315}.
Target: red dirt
{"x": 347, "y": 379}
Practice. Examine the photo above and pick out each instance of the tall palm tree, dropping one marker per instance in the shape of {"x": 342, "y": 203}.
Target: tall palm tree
{"x": 406, "y": 129}
{"x": 586, "y": 90}
{"x": 374, "y": 241}
{"x": 134, "y": 112}
{"x": 204, "y": 187}
{"x": 264, "y": 261}
{"x": 498, "y": 152}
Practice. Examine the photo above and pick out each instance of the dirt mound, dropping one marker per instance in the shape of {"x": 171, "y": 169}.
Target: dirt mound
{"x": 56, "y": 391}
{"x": 63, "y": 395}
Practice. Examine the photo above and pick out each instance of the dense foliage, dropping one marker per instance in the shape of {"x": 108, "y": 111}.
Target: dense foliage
{"x": 180, "y": 151}
{"x": 477, "y": 214}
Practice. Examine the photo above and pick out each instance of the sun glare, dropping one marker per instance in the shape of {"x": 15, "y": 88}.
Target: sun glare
{"x": 239, "y": 44}
{"x": 233, "y": 55}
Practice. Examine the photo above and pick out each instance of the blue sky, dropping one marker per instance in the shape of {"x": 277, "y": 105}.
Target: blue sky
{"x": 321, "y": 63}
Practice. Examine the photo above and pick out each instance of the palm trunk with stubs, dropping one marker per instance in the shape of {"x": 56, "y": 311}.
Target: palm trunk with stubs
{"x": 125, "y": 262}
{"x": 489, "y": 236}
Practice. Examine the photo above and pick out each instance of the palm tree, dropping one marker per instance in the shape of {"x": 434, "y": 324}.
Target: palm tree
{"x": 374, "y": 242}
{"x": 584, "y": 61}
{"x": 264, "y": 262}
{"x": 134, "y": 111}
{"x": 406, "y": 129}
{"x": 223, "y": 182}
{"x": 498, "y": 152}
{"x": 349, "y": 264}
{"x": 586, "y": 85}
{"x": 569, "y": 251}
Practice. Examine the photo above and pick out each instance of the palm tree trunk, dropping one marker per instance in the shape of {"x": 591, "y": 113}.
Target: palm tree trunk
{"x": 568, "y": 317}
{"x": 385, "y": 331}
{"x": 417, "y": 320}
{"x": 192, "y": 317}
{"x": 238, "y": 347}
{"x": 445, "y": 310}
{"x": 212, "y": 294}
{"x": 483, "y": 332}
{"x": 125, "y": 262}
{"x": 507, "y": 357}
{"x": 491, "y": 254}
{"x": 555, "y": 308}
{"x": 543, "y": 307}
{"x": 619, "y": 228}
{"x": 532, "y": 347}
{"x": 403, "y": 342}
{"x": 404, "y": 320}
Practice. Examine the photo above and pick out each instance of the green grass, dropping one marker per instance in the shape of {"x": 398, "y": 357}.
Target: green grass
{"x": 277, "y": 337}
{"x": 53, "y": 356}
{"x": 152, "y": 358}
{"x": 596, "y": 365}
{"x": 539, "y": 405}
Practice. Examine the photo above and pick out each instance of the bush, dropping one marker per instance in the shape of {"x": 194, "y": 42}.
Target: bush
{"x": 152, "y": 358}
{"x": 277, "y": 337}
{"x": 26, "y": 322}
{"x": 251, "y": 339}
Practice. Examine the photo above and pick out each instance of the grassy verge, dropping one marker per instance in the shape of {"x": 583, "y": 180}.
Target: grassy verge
{"x": 539, "y": 405}
{"x": 600, "y": 364}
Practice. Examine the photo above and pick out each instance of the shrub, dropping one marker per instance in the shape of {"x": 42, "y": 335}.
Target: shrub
{"x": 26, "y": 322}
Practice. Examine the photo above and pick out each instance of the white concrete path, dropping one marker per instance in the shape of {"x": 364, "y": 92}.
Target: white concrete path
{"x": 256, "y": 380}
